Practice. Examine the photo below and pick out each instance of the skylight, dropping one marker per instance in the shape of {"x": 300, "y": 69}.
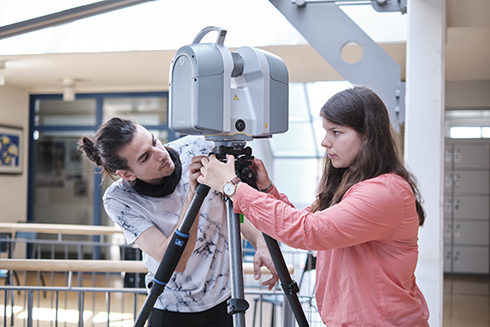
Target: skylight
{"x": 166, "y": 25}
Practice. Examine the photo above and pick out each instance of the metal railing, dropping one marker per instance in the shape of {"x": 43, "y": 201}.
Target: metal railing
{"x": 70, "y": 306}
{"x": 88, "y": 291}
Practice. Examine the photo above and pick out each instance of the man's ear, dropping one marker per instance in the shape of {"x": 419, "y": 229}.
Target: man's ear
{"x": 126, "y": 174}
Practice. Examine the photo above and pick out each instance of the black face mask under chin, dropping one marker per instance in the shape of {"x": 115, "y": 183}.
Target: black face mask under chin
{"x": 168, "y": 184}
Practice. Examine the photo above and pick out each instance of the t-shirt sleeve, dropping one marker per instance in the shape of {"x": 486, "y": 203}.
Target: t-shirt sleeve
{"x": 131, "y": 221}
{"x": 369, "y": 211}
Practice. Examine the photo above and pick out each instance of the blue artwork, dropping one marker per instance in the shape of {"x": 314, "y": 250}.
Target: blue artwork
{"x": 9, "y": 151}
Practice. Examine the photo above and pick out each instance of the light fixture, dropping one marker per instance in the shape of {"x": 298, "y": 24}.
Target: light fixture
{"x": 68, "y": 89}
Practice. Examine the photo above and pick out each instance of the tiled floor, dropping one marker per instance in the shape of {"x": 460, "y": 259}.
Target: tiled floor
{"x": 466, "y": 301}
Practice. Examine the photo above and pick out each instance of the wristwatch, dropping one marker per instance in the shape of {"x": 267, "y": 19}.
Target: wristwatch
{"x": 229, "y": 188}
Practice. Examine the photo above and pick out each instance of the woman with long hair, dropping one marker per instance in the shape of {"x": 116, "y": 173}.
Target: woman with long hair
{"x": 364, "y": 222}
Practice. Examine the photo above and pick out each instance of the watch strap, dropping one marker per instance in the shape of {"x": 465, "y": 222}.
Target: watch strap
{"x": 235, "y": 180}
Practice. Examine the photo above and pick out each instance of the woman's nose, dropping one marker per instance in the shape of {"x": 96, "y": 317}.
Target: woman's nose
{"x": 326, "y": 143}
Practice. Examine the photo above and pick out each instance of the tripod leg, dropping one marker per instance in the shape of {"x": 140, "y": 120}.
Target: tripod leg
{"x": 237, "y": 305}
{"x": 289, "y": 286}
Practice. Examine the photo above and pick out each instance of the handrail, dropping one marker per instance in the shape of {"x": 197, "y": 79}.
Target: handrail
{"x": 57, "y": 265}
{"x": 60, "y": 228}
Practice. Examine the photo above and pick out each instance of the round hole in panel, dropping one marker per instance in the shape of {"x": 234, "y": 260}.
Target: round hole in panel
{"x": 351, "y": 52}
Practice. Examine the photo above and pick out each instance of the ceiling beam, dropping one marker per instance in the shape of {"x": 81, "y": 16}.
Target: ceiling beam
{"x": 328, "y": 29}
{"x": 66, "y": 16}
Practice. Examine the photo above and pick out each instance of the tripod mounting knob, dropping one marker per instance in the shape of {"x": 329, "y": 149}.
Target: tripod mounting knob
{"x": 237, "y": 305}
{"x": 291, "y": 288}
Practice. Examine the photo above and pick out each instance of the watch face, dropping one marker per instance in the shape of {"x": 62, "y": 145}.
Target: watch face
{"x": 229, "y": 188}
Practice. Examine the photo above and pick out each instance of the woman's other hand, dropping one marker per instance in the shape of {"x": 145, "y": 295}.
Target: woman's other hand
{"x": 195, "y": 171}
{"x": 263, "y": 180}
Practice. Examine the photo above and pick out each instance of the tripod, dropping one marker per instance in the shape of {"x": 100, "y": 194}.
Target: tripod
{"x": 237, "y": 305}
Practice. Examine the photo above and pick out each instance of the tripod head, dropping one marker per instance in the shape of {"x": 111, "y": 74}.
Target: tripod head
{"x": 243, "y": 159}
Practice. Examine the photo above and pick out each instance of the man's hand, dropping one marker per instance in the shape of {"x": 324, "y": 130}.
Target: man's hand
{"x": 263, "y": 258}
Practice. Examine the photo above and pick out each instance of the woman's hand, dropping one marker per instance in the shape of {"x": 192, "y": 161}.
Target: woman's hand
{"x": 263, "y": 180}
{"x": 215, "y": 173}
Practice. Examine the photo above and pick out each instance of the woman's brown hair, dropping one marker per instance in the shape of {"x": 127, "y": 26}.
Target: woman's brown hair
{"x": 361, "y": 109}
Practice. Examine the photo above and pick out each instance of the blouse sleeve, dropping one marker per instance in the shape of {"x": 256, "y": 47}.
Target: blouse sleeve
{"x": 369, "y": 211}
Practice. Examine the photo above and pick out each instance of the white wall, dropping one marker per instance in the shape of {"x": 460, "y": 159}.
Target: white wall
{"x": 14, "y": 111}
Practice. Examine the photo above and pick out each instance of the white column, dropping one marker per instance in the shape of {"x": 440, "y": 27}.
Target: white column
{"x": 424, "y": 138}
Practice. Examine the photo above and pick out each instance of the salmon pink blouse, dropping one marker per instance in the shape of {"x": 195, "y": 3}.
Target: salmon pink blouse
{"x": 367, "y": 247}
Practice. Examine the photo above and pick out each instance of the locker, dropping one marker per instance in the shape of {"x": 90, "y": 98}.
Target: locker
{"x": 470, "y": 260}
{"x": 470, "y": 156}
{"x": 448, "y": 259}
{"x": 467, "y": 207}
{"x": 470, "y": 182}
{"x": 470, "y": 232}
{"x": 448, "y": 157}
{"x": 448, "y": 207}
{"x": 448, "y": 232}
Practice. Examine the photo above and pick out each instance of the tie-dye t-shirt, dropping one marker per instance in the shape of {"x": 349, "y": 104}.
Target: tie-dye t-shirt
{"x": 206, "y": 279}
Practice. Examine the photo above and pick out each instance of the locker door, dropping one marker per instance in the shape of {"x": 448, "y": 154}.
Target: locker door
{"x": 470, "y": 260}
{"x": 448, "y": 232}
{"x": 471, "y": 182}
{"x": 448, "y": 259}
{"x": 470, "y": 232}
{"x": 448, "y": 157}
{"x": 470, "y": 207}
{"x": 471, "y": 156}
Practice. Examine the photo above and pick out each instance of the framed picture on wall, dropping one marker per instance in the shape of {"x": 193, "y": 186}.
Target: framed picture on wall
{"x": 11, "y": 149}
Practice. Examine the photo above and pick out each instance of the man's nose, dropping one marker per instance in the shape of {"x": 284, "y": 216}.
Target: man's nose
{"x": 162, "y": 154}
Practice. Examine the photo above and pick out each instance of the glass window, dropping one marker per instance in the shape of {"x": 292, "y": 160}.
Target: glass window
{"x": 65, "y": 113}
{"x": 146, "y": 111}
{"x": 65, "y": 189}
{"x": 298, "y": 141}
{"x": 320, "y": 92}
{"x": 465, "y": 132}
{"x": 485, "y": 132}
{"x": 298, "y": 103}
{"x": 467, "y": 123}
{"x": 305, "y": 134}
{"x": 111, "y": 32}
{"x": 63, "y": 180}
{"x": 298, "y": 178}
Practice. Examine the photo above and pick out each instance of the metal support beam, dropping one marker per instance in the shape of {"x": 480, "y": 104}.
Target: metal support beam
{"x": 328, "y": 29}
{"x": 65, "y": 16}
{"x": 378, "y": 5}
{"x": 390, "y": 5}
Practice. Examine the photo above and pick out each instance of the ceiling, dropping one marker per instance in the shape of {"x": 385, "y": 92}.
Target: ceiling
{"x": 467, "y": 59}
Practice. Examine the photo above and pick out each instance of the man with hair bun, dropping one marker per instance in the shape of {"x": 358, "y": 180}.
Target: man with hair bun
{"x": 155, "y": 184}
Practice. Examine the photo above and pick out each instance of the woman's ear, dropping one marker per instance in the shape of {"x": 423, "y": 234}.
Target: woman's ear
{"x": 126, "y": 174}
